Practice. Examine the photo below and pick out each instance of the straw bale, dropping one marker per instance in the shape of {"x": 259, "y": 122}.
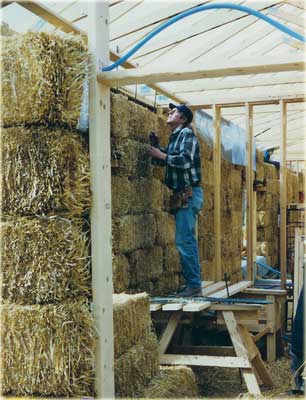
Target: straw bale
{"x": 272, "y": 186}
{"x": 48, "y": 350}
{"x": 136, "y": 367}
{"x": 227, "y": 200}
{"x": 236, "y": 277}
{"x": 166, "y": 196}
{"x": 171, "y": 259}
{"x": 302, "y": 181}
{"x": 265, "y": 201}
{"x": 42, "y": 78}
{"x": 205, "y": 222}
{"x": 208, "y": 192}
{"x": 259, "y": 157}
{"x": 205, "y": 149}
{"x": 44, "y": 171}
{"x": 263, "y": 248}
{"x": 121, "y": 195}
{"x": 235, "y": 180}
{"x": 172, "y": 383}
{"x": 207, "y": 171}
{"x": 260, "y": 172}
{"x": 44, "y": 259}
{"x": 120, "y": 114}
{"x": 166, "y": 284}
{"x": 165, "y": 225}
{"x": 158, "y": 172}
{"x": 206, "y": 247}
{"x": 145, "y": 265}
{"x": 208, "y": 270}
{"x": 147, "y": 194}
{"x": 270, "y": 171}
{"x": 141, "y": 122}
{"x": 263, "y": 218}
{"x": 133, "y": 232}
{"x": 132, "y": 320}
{"x": 121, "y": 278}
{"x": 264, "y": 234}
{"x": 133, "y": 158}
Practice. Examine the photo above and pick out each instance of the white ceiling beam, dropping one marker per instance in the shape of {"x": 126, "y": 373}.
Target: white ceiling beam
{"x": 188, "y": 72}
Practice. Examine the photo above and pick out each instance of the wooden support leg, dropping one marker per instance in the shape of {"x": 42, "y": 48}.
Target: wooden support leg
{"x": 169, "y": 331}
{"x": 271, "y": 337}
{"x": 247, "y": 373}
{"x": 255, "y": 356}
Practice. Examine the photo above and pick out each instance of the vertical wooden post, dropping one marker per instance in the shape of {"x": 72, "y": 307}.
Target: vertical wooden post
{"x": 249, "y": 191}
{"x": 283, "y": 193}
{"x": 101, "y": 222}
{"x": 217, "y": 190}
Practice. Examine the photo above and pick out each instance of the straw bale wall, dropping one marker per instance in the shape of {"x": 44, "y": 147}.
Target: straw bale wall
{"x": 293, "y": 186}
{"x": 267, "y": 206}
{"x": 143, "y": 228}
{"x": 47, "y": 331}
{"x": 232, "y": 184}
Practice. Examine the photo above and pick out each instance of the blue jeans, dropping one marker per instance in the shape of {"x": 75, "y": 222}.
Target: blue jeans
{"x": 185, "y": 238}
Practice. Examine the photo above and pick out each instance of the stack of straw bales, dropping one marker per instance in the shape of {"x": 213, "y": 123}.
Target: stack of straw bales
{"x": 137, "y": 371}
{"x": 267, "y": 203}
{"x": 145, "y": 257}
{"x": 232, "y": 184}
{"x": 144, "y": 253}
{"x": 293, "y": 186}
{"x": 47, "y": 331}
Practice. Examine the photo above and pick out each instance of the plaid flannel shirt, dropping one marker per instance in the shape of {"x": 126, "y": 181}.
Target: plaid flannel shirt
{"x": 183, "y": 163}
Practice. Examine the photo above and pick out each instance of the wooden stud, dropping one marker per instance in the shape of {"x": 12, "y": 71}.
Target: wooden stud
{"x": 271, "y": 337}
{"x": 217, "y": 189}
{"x": 101, "y": 215}
{"x": 283, "y": 193}
{"x": 298, "y": 266}
{"x": 249, "y": 191}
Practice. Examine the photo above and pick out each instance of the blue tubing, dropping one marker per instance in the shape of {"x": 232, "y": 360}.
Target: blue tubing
{"x": 185, "y": 14}
{"x": 275, "y": 271}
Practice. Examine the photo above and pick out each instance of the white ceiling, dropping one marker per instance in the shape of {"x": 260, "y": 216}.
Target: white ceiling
{"x": 205, "y": 38}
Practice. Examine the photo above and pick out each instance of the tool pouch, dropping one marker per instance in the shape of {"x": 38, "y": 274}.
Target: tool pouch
{"x": 180, "y": 199}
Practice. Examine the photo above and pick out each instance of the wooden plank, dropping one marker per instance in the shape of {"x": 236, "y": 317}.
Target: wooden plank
{"x": 271, "y": 337}
{"x": 195, "y": 307}
{"x": 204, "y": 350}
{"x": 101, "y": 211}
{"x": 169, "y": 332}
{"x": 213, "y": 288}
{"x": 255, "y": 356}
{"x": 155, "y": 307}
{"x": 274, "y": 292}
{"x": 204, "y": 361}
{"x": 205, "y": 284}
{"x": 234, "y": 289}
{"x": 262, "y": 333}
{"x": 217, "y": 191}
{"x": 283, "y": 193}
{"x": 241, "y": 351}
{"x": 297, "y": 20}
{"x": 249, "y": 189}
{"x": 189, "y": 72}
{"x": 236, "y": 307}
{"x": 172, "y": 306}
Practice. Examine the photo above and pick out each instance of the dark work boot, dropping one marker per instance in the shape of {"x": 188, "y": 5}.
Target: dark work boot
{"x": 190, "y": 292}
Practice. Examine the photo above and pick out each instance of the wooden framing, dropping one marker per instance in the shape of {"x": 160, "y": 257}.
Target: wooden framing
{"x": 217, "y": 194}
{"x": 249, "y": 191}
{"x": 190, "y": 72}
{"x": 283, "y": 193}
{"x": 101, "y": 216}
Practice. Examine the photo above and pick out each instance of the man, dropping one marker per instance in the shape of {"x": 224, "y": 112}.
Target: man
{"x": 267, "y": 157}
{"x": 183, "y": 175}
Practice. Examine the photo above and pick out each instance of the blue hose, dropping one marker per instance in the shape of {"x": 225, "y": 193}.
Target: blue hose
{"x": 185, "y": 14}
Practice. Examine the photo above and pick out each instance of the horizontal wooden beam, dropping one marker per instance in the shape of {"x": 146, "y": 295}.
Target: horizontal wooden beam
{"x": 189, "y": 72}
{"x": 230, "y": 101}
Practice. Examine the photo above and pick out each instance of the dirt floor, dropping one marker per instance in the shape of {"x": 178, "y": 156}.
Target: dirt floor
{"x": 227, "y": 383}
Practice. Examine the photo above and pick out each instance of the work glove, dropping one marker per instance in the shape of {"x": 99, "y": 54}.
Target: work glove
{"x": 154, "y": 139}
